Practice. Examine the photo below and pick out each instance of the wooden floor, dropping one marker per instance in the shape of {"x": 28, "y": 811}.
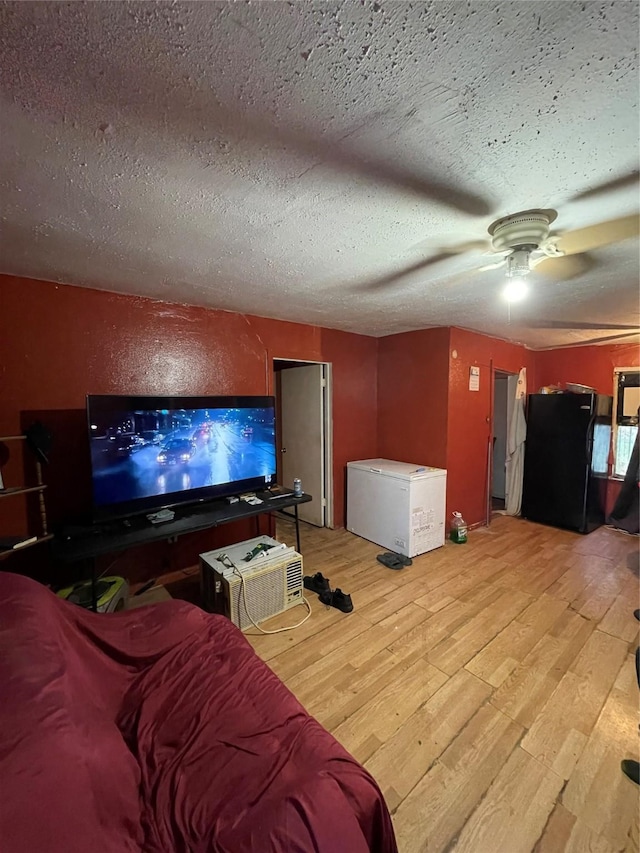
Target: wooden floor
{"x": 489, "y": 688}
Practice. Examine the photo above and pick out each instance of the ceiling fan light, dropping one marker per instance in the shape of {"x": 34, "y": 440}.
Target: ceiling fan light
{"x": 518, "y": 263}
{"x": 515, "y": 290}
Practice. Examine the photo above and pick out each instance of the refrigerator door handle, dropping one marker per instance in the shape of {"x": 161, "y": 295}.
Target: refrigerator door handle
{"x": 589, "y": 441}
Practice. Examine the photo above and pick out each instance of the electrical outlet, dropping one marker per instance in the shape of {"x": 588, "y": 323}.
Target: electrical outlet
{"x": 399, "y": 542}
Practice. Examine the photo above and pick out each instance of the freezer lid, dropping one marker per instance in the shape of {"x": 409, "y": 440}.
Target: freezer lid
{"x": 396, "y": 470}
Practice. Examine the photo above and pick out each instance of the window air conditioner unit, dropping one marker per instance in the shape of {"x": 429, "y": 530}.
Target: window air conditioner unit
{"x": 272, "y": 580}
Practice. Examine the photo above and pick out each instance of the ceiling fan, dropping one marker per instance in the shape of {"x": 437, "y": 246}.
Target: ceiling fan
{"x": 525, "y": 242}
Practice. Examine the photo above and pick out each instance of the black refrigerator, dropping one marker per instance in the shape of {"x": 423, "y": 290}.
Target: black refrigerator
{"x": 564, "y": 481}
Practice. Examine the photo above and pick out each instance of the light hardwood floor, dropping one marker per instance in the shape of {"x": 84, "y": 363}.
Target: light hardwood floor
{"x": 489, "y": 688}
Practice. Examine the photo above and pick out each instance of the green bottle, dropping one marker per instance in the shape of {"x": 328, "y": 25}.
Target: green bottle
{"x": 458, "y": 532}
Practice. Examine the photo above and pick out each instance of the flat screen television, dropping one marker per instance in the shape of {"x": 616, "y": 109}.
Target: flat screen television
{"x": 153, "y": 452}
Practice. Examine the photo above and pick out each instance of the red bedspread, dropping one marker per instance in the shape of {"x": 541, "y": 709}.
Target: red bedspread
{"x": 161, "y": 730}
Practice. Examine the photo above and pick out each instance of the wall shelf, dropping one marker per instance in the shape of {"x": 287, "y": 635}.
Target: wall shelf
{"x": 8, "y": 553}
{"x": 20, "y": 490}
{"x": 43, "y": 534}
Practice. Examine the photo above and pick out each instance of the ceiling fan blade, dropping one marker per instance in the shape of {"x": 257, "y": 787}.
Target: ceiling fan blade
{"x": 494, "y": 266}
{"x": 418, "y": 266}
{"x": 397, "y": 276}
{"x": 600, "y": 235}
{"x": 343, "y": 155}
{"x": 609, "y": 186}
{"x": 579, "y": 324}
{"x": 608, "y": 339}
{"x": 423, "y": 185}
{"x": 361, "y": 149}
{"x": 427, "y": 245}
{"x": 565, "y": 267}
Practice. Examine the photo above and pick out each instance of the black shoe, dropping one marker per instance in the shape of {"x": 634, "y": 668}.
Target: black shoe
{"x": 394, "y": 561}
{"x": 631, "y": 769}
{"x": 318, "y": 583}
{"x": 338, "y": 599}
{"x": 636, "y": 613}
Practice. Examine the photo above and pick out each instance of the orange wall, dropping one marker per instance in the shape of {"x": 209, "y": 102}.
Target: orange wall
{"x": 591, "y": 365}
{"x": 470, "y": 415}
{"x": 413, "y": 397}
{"x": 59, "y": 343}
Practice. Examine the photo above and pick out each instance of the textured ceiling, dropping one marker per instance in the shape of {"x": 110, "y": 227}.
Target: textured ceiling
{"x": 291, "y": 159}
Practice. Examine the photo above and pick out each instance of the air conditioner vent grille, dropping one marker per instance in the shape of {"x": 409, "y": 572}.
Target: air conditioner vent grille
{"x": 271, "y": 585}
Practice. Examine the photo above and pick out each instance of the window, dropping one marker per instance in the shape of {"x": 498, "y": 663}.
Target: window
{"x": 600, "y": 452}
{"x": 625, "y": 439}
{"x": 626, "y": 402}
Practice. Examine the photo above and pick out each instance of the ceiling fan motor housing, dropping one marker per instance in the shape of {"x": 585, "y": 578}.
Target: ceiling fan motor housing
{"x": 522, "y": 231}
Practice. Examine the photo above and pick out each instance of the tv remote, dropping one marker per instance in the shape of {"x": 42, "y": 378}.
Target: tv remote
{"x": 161, "y": 515}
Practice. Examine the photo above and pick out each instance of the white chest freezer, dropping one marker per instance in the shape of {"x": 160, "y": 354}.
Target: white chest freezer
{"x": 397, "y": 505}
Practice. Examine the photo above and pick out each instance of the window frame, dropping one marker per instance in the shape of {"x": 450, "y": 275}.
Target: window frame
{"x": 616, "y": 419}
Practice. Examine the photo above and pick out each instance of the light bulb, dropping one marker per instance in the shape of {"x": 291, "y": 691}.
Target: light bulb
{"x": 515, "y": 290}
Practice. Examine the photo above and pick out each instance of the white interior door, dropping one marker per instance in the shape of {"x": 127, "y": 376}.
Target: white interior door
{"x": 515, "y": 473}
{"x": 302, "y": 391}
{"x": 500, "y": 401}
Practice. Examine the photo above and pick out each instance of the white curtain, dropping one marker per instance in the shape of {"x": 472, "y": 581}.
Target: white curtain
{"x": 516, "y": 436}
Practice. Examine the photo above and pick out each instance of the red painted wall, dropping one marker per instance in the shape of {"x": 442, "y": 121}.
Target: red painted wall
{"x": 403, "y": 397}
{"x": 470, "y": 414}
{"x": 591, "y": 365}
{"x": 354, "y": 360}
{"x": 413, "y": 397}
{"x": 427, "y": 415}
{"x": 59, "y": 343}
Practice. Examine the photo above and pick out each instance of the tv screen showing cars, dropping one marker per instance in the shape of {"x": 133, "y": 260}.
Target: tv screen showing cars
{"x": 155, "y": 452}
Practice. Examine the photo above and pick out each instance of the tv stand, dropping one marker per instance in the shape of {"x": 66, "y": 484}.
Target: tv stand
{"x": 91, "y": 541}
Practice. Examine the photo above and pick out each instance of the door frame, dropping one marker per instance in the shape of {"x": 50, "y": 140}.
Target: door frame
{"x": 509, "y": 373}
{"x": 327, "y": 427}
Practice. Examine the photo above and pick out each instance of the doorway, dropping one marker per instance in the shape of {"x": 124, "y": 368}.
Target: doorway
{"x": 303, "y": 437}
{"x": 504, "y": 389}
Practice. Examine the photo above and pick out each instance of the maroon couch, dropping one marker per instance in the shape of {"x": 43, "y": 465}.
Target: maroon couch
{"x": 161, "y": 730}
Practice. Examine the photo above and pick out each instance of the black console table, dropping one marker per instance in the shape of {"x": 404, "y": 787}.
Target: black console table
{"x": 87, "y": 543}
